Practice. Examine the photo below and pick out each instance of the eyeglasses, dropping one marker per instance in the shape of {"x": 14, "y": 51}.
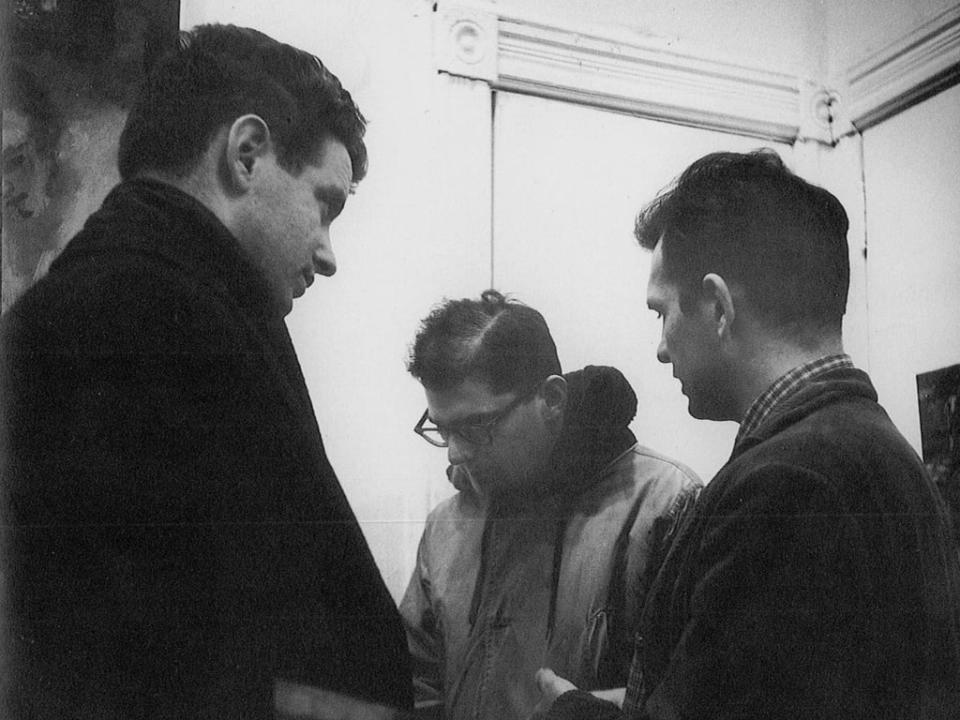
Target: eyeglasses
{"x": 474, "y": 433}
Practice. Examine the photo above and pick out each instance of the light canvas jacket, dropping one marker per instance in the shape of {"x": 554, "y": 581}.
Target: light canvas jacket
{"x": 557, "y": 580}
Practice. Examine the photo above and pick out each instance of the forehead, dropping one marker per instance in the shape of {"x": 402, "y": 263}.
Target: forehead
{"x": 331, "y": 162}
{"x": 469, "y": 398}
{"x": 659, "y": 289}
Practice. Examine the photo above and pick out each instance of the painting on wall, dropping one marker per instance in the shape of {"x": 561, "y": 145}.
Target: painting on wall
{"x": 70, "y": 69}
{"x": 939, "y": 398}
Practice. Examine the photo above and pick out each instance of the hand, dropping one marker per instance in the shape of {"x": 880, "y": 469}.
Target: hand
{"x": 551, "y": 687}
{"x": 614, "y": 696}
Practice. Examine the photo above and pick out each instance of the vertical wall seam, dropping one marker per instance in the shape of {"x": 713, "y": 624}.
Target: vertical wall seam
{"x": 492, "y": 178}
{"x": 861, "y": 159}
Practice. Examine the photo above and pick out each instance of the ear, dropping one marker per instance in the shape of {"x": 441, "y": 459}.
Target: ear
{"x": 554, "y": 394}
{"x": 719, "y": 297}
{"x": 248, "y": 141}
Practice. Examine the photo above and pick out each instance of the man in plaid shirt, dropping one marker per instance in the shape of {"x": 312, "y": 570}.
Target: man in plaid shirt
{"x": 815, "y": 578}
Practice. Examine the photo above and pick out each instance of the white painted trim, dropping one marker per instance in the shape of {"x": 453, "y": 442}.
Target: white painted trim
{"x": 647, "y": 81}
{"x": 913, "y": 67}
{"x": 612, "y": 69}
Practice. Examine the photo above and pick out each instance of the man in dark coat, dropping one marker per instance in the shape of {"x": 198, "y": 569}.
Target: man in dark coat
{"x": 178, "y": 544}
{"x": 816, "y": 577}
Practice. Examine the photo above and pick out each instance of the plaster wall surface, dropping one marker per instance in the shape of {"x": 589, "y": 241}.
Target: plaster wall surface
{"x": 911, "y": 166}
{"x": 857, "y": 29}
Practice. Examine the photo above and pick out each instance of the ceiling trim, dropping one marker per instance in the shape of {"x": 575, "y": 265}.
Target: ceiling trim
{"x": 906, "y": 71}
{"x": 608, "y": 68}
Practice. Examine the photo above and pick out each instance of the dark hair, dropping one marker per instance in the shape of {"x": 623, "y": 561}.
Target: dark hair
{"x": 217, "y": 74}
{"x": 752, "y": 221}
{"x": 495, "y": 339}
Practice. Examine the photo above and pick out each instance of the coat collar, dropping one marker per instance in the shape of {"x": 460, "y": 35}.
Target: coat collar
{"x": 155, "y": 219}
{"x": 825, "y": 389}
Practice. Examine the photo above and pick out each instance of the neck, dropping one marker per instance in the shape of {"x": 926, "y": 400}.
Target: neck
{"x": 771, "y": 358}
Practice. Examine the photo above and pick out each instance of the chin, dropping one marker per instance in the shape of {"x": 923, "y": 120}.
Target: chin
{"x": 284, "y": 306}
{"x": 704, "y": 411}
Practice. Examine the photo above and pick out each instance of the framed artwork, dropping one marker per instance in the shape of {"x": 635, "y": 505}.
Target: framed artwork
{"x": 938, "y": 393}
{"x": 70, "y": 70}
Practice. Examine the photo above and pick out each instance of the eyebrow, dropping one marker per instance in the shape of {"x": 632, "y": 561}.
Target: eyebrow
{"x": 473, "y": 419}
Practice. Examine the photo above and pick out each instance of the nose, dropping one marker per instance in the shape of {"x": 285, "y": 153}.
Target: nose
{"x": 662, "y": 354}
{"x": 459, "y": 450}
{"x": 324, "y": 261}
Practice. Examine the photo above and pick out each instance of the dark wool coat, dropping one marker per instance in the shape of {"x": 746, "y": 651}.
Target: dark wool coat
{"x": 814, "y": 580}
{"x": 177, "y": 537}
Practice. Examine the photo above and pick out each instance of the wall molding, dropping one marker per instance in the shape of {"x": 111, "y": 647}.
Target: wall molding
{"x": 908, "y": 70}
{"x": 611, "y": 69}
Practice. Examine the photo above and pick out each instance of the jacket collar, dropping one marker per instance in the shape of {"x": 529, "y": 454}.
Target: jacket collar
{"x": 825, "y": 389}
{"x": 155, "y": 219}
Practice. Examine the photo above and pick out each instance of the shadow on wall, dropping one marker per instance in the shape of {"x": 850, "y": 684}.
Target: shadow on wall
{"x": 70, "y": 68}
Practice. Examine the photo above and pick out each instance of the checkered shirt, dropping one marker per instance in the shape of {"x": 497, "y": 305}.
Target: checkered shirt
{"x": 785, "y": 386}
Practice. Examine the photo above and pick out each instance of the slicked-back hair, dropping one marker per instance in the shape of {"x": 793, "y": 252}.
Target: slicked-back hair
{"x": 496, "y": 340}
{"x": 749, "y": 219}
{"x": 221, "y": 72}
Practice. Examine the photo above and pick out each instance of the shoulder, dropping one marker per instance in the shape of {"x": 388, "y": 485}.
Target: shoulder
{"x": 848, "y": 448}
{"x": 124, "y": 303}
{"x": 642, "y": 484}
{"x": 646, "y": 468}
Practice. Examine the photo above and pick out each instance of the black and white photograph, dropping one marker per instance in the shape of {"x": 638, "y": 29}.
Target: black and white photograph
{"x": 480, "y": 360}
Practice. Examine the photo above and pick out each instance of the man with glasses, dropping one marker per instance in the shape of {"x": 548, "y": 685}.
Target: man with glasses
{"x": 545, "y": 553}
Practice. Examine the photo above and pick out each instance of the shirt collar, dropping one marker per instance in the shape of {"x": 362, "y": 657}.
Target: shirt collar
{"x": 786, "y": 385}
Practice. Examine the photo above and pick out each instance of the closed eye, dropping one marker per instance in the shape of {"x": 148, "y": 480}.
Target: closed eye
{"x": 331, "y": 199}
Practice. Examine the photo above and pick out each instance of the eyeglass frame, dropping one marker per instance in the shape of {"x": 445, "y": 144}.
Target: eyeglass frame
{"x": 485, "y": 428}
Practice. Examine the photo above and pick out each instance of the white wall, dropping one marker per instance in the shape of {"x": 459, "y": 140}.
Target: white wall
{"x": 421, "y": 226}
{"x": 857, "y": 29}
{"x": 912, "y": 176}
